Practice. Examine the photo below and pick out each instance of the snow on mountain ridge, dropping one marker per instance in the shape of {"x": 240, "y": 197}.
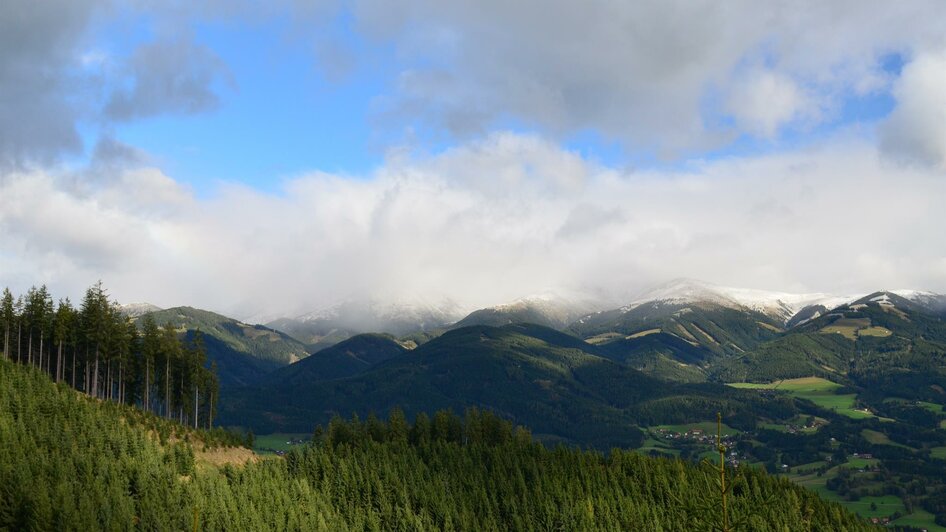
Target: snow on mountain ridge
{"x": 780, "y": 305}
{"x": 134, "y": 310}
{"x": 445, "y": 310}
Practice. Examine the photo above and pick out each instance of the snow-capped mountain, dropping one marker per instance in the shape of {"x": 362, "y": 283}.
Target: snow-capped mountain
{"x": 928, "y": 300}
{"x": 781, "y": 306}
{"x": 134, "y": 310}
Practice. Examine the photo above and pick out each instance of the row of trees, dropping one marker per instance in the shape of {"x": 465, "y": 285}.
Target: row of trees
{"x": 97, "y": 349}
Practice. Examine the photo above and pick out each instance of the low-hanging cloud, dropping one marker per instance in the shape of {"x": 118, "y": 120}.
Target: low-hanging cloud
{"x": 479, "y": 225}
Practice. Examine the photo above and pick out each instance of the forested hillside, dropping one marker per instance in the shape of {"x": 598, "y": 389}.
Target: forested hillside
{"x": 559, "y": 386}
{"x": 97, "y": 349}
{"x": 243, "y": 353}
{"x": 69, "y": 462}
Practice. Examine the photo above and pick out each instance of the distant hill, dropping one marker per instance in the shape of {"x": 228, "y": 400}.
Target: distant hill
{"x": 550, "y": 310}
{"x": 554, "y": 383}
{"x": 345, "y": 359}
{"x": 243, "y": 352}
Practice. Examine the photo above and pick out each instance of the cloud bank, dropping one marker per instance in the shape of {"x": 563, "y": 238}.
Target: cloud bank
{"x": 482, "y": 223}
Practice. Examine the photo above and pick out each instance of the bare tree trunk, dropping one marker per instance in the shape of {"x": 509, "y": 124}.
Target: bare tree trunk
{"x": 19, "y": 340}
{"x": 210, "y": 413}
{"x": 147, "y": 404}
{"x": 74, "y": 366}
{"x": 95, "y": 374}
{"x": 40, "y": 365}
{"x": 167, "y": 388}
{"x": 29, "y": 351}
{"x": 121, "y": 383}
{"x": 196, "y": 398}
{"x": 59, "y": 362}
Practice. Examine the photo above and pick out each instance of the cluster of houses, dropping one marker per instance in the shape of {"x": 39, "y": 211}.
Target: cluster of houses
{"x": 808, "y": 427}
{"x": 280, "y": 452}
{"x": 697, "y": 435}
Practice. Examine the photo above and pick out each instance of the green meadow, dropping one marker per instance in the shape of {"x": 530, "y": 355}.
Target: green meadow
{"x": 268, "y": 443}
{"x": 815, "y": 389}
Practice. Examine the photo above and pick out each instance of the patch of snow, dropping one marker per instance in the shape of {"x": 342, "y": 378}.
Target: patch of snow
{"x": 779, "y": 305}
{"x": 134, "y": 310}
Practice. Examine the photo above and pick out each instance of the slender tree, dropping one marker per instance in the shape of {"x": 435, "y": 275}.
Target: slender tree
{"x": 94, "y": 318}
{"x": 7, "y": 317}
{"x": 150, "y": 352}
{"x": 64, "y": 322}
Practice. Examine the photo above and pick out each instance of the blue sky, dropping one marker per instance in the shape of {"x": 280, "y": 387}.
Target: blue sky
{"x": 279, "y": 157}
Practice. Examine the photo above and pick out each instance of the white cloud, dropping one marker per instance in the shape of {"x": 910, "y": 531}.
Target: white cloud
{"x": 916, "y": 130}
{"x": 763, "y": 102}
{"x": 481, "y": 223}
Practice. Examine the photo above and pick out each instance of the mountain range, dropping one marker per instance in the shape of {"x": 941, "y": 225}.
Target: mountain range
{"x": 675, "y": 329}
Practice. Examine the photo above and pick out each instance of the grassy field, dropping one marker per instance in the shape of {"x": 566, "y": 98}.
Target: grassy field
{"x": 874, "y": 331}
{"x": 815, "y": 389}
{"x": 268, "y": 443}
{"x": 604, "y": 338}
{"x": 769, "y": 327}
{"x": 861, "y": 463}
{"x": 932, "y": 407}
{"x": 644, "y": 333}
{"x": 847, "y": 327}
{"x": 938, "y": 452}
{"x": 920, "y": 519}
{"x": 886, "y": 505}
{"x": 651, "y": 445}
{"x": 797, "y": 421}
{"x": 875, "y": 437}
{"x": 708, "y": 428}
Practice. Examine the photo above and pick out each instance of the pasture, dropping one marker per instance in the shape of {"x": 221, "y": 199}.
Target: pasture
{"x": 815, "y": 389}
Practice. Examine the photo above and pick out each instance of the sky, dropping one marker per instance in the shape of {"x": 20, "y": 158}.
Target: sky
{"x": 273, "y": 158}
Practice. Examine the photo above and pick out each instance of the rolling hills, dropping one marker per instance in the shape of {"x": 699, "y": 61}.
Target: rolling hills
{"x": 243, "y": 353}
{"x": 561, "y": 387}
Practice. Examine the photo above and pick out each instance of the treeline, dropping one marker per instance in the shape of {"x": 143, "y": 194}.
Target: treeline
{"x": 98, "y": 350}
{"x": 69, "y": 463}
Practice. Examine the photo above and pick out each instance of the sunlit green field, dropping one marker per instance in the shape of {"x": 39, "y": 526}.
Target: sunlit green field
{"x": 815, "y": 389}
{"x": 708, "y": 427}
{"x": 268, "y": 443}
{"x": 920, "y": 519}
